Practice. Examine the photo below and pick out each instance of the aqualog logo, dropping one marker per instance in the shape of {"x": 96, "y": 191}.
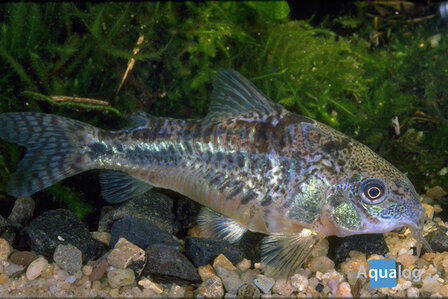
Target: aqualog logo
{"x": 383, "y": 273}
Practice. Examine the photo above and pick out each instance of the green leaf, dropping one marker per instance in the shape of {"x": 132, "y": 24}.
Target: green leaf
{"x": 277, "y": 10}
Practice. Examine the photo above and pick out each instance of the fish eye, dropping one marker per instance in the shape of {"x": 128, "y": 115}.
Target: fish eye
{"x": 372, "y": 191}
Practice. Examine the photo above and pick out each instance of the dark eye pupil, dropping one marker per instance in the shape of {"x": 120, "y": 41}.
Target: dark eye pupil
{"x": 373, "y": 192}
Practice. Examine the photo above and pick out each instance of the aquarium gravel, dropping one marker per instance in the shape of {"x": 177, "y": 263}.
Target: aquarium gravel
{"x": 319, "y": 277}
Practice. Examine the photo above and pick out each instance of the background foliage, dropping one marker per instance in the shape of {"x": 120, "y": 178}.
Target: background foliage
{"x": 352, "y": 72}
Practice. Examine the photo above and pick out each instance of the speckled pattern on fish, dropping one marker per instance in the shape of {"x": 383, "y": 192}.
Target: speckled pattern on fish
{"x": 252, "y": 163}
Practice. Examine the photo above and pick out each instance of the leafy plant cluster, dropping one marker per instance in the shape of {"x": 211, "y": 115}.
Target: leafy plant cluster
{"x": 85, "y": 49}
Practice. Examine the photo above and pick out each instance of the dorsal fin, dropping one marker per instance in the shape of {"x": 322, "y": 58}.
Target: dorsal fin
{"x": 234, "y": 95}
{"x": 117, "y": 186}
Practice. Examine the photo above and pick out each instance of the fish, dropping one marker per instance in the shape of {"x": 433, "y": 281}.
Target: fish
{"x": 252, "y": 164}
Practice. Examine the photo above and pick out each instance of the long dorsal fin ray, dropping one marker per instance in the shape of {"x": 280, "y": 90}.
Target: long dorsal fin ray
{"x": 118, "y": 186}
{"x": 233, "y": 95}
{"x": 215, "y": 225}
{"x": 283, "y": 254}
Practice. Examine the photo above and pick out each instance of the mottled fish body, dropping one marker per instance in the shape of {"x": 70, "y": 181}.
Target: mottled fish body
{"x": 253, "y": 164}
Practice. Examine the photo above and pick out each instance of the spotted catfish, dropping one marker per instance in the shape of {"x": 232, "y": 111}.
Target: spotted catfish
{"x": 253, "y": 165}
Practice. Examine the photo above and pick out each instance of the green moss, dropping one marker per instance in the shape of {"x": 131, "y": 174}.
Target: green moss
{"x": 332, "y": 72}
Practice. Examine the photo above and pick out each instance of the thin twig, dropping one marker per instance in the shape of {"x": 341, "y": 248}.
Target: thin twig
{"x": 79, "y": 100}
{"x": 131, "y": 61}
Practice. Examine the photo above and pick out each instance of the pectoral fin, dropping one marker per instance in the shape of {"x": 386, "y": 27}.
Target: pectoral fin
{"x": 215, "y": 225}
{"x": 283, "y": 254}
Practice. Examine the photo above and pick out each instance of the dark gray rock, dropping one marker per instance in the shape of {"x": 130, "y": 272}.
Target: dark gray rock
{"x": 56, "y": 227}
{"x": 167, "y": 265}
{"x": 151, "y": 205}
{"x": 7, "y": 231}
{"x": 438, "y": 240}
{"x": 368, "y": 244}
{"x": 3, "y": 224}
{"x": 22, "y": 212}
{"x": 141, "y": 232}
{"x": 202, "y": 251}
{"x": 186, "y": 214}
{"x": 250, "y": 245}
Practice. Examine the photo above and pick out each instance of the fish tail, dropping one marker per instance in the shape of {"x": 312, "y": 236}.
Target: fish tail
{"x": 54, "y": 149}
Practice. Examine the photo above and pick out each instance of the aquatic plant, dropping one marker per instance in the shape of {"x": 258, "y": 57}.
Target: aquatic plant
{"x": 159, "y": 57}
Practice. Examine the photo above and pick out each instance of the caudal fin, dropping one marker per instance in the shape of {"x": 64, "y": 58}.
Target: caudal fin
{"x": 53, "y": 146}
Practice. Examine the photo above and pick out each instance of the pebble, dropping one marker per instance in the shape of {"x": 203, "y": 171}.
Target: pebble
{"x": 87, "y": 270}
{"x": 202, "y": 251}
{"x": 23, "y": 258}
{"x": 151, "y": 206}
{"x": 5, "y": 250}
{"x": 140, "y": 232}
{"x": 444, "y": 290}
{"x": 357, "y": 260}
{"x": 54, "y": 227}
{"x": 35, "y": 268}
{"x": 430, "y": 285}
{"x": 68, "y": 257}
{"x": 249, "y": 276}
{"x": 320, "y": 263}
{"x": 176, "y": 291}
{"x": 186, "y": 214}
{"x": 244, "y": 265}
{"x": 22, "y": 211}
{"x": 436, "y": 192}
{"x": 321, "y": 249}
{"x": 98, "y": 270}
{"x": 206, "y": 272}
{"x": 406, "y": 259}
{"x": 103, "y": 237}
{"x": 344, "y": 290}
{"x": 230, "y": 279}
{"x": 264, "y": 283}
{"x": 166, "y": 264}
{"x": 120, "y": 277}
{"x": 429, "y": 210}
{"x": 368, "y": 244}
{"x": 248, "y": 291}
{"x": 413, "y": 292}
{"x": 283, "y": 287}
{"x": 299, "y": 282}
{"x": 3, "y": 279}
{"x": 212, "y": 288}
{"x": 148, "y": 284}
{"x": 126, "y": 254}
{"x": 222, "y": 261}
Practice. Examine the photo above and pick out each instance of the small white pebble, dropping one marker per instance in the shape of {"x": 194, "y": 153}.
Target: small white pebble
{"x": 299, "y": 282}
{"x": 413, "y": 292}
{"x": 71, "y": 279}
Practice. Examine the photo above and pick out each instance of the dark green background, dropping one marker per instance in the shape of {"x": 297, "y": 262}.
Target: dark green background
{"x": 344, "y": 69}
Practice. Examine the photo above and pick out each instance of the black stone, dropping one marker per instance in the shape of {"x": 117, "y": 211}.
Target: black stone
{"x": 202, "y": 251}
{"x": 56, "y": 227}
{"x": 153, "y": 206}
{"x": 368, "y": 244}
{"x": 167, "y": 265}
{"x": 319, "y": 287}
{"x": 186, "y": 213}
{"x": 250, "y": 245}
{"x": 141, "y": 232}
{"x": 438, "y": 240}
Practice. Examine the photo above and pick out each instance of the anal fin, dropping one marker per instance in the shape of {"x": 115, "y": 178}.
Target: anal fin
{"x": 283, "y": 254}
{"x": 117, "y": 186}
{"x": 215, "y": 225}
